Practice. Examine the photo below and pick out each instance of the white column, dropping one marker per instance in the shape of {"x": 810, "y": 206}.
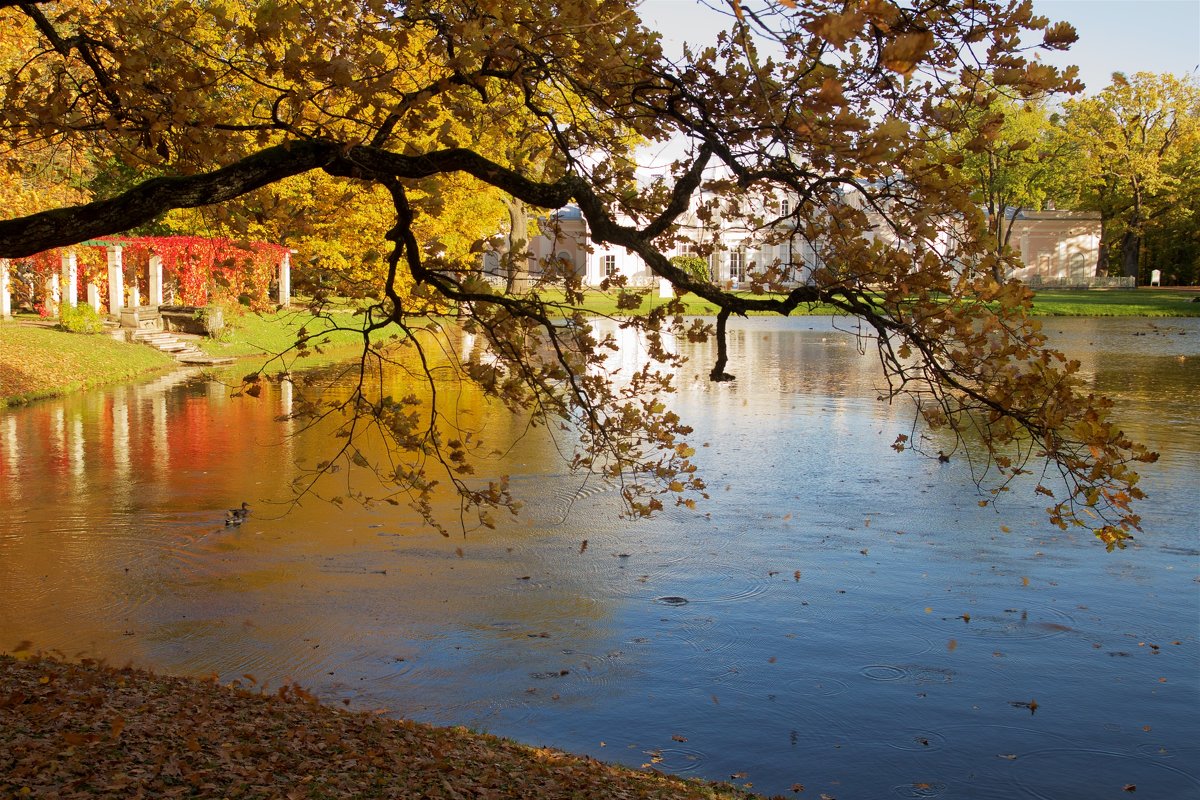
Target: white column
{"x": 5, "y": 295}
{"x": 285, "y": 279}
{"x": 156, "y": 283}
{"x": 93, "y": 293}
{"x": 70, "y": 276}
{"x": 116, "y": 280}
{"x": 53, "y": 298}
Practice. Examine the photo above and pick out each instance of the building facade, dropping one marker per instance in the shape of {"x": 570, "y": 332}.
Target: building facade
{"x": 1056, "y": 248}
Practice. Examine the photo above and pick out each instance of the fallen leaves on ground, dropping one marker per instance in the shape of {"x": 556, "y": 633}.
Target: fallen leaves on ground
{"x": 86, "y": 730}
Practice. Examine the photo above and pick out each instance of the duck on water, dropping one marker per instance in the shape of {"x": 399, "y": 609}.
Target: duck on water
{"x": 236, "y": 516}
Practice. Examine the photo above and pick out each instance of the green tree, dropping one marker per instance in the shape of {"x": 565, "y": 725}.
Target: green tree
{"x": 1008, "y": 151}
{"x": 1135, "y": 146}
{"x": 840, "y": 106}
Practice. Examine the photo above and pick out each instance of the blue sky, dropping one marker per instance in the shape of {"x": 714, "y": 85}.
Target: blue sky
{"x": 1128, "y": 36}
{"x": 1114, "y": 35}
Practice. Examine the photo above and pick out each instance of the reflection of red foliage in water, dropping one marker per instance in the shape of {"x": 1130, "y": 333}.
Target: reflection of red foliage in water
{"x": 199, "y": 433}
{"x": 127, "y": 430}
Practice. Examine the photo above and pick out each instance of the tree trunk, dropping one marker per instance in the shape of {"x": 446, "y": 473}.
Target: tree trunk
{"x": 516, "y": 260}
{"x": 1131, "y": 245}
{"x": 1003, "y": 237}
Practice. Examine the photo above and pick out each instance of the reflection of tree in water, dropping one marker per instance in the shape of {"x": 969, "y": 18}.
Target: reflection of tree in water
{"x": 1150, "y": 368}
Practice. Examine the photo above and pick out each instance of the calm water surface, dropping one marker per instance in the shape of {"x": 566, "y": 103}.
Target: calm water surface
{"x": 839, "y": 616}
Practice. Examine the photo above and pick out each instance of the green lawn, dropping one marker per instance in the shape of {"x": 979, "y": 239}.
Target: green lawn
{"x": 1050, "y": 303}
{"x": 42, "y": 362}
{"x": 597, "y": 302}
{"x": 254, "y": 334}
{"x": 1117, "y": 303}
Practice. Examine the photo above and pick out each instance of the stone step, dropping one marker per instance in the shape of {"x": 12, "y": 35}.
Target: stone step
{"x": 166, "y": 342}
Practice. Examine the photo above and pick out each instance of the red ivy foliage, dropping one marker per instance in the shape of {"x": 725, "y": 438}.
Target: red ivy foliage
{"x": 204, "y": 270}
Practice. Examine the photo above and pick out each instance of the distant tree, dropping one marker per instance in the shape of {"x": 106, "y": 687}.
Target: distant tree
{"x": 1135, "y": 146}
{"x": 1009, "y": 154}
{"x": 840, "y": 105}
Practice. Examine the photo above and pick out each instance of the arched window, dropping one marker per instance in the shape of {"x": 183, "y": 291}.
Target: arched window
{"x": 1076, "y": 265}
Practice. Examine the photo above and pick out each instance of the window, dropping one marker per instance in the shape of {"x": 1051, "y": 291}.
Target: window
{"x": 608, "y": 265}
{"x": 784, "y": 208}
{"x": 737, "y": 265}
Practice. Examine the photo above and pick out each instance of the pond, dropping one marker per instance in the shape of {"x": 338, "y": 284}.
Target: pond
{"x": 839, "y": 615}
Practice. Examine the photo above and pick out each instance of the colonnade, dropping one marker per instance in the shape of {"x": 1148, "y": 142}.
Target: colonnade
{"x": 62, "y": 287}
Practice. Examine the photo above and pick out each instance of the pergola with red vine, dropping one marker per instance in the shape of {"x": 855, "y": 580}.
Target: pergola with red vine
{"x": 142, "y": 270}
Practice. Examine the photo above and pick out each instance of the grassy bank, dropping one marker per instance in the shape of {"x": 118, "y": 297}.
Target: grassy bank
{"x": 76, "y": 731}
{"x": 1060, "y": 303}
{"x": 1117, "y": 303}
{"x": 252, "y": 334}
{"x": 40, "y": 362}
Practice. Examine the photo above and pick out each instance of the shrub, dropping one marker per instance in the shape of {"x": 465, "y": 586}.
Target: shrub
{"x": 81, "y": 319}
{"x": 693, "y": 265}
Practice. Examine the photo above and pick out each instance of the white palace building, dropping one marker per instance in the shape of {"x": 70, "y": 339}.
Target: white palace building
{"x": 1057, "y": 248}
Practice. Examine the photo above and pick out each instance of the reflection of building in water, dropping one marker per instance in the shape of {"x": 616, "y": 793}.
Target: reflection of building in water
{"x": 633, "y": 350}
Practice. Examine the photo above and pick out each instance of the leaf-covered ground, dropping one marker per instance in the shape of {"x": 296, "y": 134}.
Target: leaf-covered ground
{"x": 87, "y": 731}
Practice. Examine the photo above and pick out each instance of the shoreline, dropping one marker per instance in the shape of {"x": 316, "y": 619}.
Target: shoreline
{"x": 68, "y": 366}
{"x": 89, "y": 730}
